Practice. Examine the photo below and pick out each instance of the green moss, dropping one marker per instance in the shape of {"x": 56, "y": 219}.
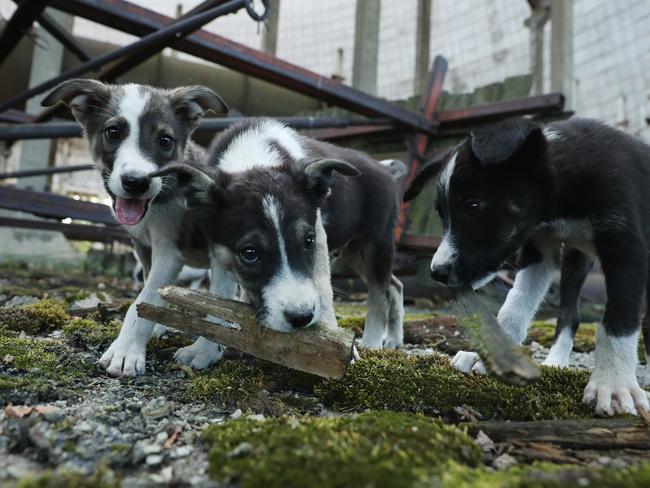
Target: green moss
{"x": 34, "y": 318}
{"x": 90, "y": 332}
{"x": 544, "y": 333}
{"x": 232, "y": 382}
{"x": 102, "y": 478}
{"x": 39, "y": 369}
{"x": 392, "y": 380}
{"x": 372, "y": 449}
{"x": 20, "y": 291}
{"x": 544, "y": 475}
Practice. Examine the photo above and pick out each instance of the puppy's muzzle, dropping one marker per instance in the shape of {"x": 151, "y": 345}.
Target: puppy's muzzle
{"x": 135, "y": 184}
{"x": 299, "y": 319}
{"x": 442, "y": 273}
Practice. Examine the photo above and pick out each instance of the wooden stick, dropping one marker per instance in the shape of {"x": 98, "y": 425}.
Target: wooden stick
{"x": 615, "y": 433}
{"x": 501, "y": 356}
{"x": 321, "y": 350}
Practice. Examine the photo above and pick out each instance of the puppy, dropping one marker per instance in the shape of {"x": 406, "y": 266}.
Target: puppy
{"x": 132, "y": 130}
{"x": 268, "y": 197}
{"x": 578, "y": 186}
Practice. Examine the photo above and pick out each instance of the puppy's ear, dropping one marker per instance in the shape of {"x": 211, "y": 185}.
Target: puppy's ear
{"x": 191, "y": 102}
{"x": 197, "y": 185}
{"x": 510, "y": 139}
{"x": 81, "y": 95}
{"x": 428, "y": 171}
{"x": 317, "y": 175}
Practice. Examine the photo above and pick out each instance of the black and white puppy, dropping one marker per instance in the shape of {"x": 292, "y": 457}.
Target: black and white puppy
{"x": 133, "y": 130}
{"x": 577, "y": 186}
{"x": 268, "y": 197}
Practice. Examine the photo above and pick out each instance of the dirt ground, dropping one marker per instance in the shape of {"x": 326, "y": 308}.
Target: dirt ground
{"x": 399, "y": 418}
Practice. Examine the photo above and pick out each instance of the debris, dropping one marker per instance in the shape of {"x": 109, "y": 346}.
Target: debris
{"x": 504, "y": 461}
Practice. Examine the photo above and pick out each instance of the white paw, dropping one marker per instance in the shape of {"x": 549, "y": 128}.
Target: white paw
{"x": 123, "y": 359}
{"x": 158, "y": 331}
{"x": 467, "y": 362}
{"x": 557, "y": 360}
{"x": 370, "y": 342}
{"x": 393, "y": 341}
{"x": 201, "y": 354}
{"x": 615, "y": 395}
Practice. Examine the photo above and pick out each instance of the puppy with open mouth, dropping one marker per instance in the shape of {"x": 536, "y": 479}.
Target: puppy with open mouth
{"x": 273, "y": 203}
{"x": 576, "y": 188}
{"x": 133, "y": 130}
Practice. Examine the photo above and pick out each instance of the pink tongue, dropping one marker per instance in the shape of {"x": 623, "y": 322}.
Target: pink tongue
{"x": 129, "y": 211}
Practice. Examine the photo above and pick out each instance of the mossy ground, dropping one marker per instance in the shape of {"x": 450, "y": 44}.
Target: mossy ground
{"x": 372, "y": 449}
{"x": 102, "y": 478}
{"x": 392, "y": 380}
{"x": 34, "y": 369}
{"x": 544, "y": 333}
{"x": 35, "y": 318}
{"x": 545, "y": 475}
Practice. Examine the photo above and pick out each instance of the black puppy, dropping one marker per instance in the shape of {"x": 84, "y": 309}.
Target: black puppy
{"x": 576, "y": 186}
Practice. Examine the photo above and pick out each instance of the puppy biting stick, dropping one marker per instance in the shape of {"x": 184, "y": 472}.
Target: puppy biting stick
{"x": 501, "y": 356}
{"x": 321, "y": 349}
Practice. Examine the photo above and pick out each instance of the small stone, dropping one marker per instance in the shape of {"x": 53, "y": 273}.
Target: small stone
{"x": 156, "y": 408}
{"x": 236, "y": 414}
{"x": 17, "y": 301}
{"x": 154, "y": 459}
{"x": 161, "y": 438}
{"x": 485, "y": 442}
{"x": 167, "y": 473}
{"x": 243, "y": 449}
{"x": 259, "y": 417}
{"x": 52, "y": 413}
{"x": 505, "y": 461}
{"x": 181, "y": 452}
{"x": 84, "y": 427}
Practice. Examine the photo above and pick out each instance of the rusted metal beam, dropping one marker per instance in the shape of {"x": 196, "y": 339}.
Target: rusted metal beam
{"x": 75, "y": 232}
{"x": 18, "y": 24}
{"x": 428, "y": 105}
{"x": 137, "y": 20}
{"x": 158, "y": 38}
{"x": 47, "y": 171}
{"x": 65, "y": 129}
{"x": 54, "y": 206}
{"x": 550, "y": 103}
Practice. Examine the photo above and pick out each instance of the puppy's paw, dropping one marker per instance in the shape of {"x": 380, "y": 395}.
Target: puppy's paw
{"x": 201, "y": 354}
{"x": 467, "y": 362}
{"x": 612, "y": 395}
{"x": 555, "y": 360}
{"x": 393, "y": 341}
{"x": 123, "y": 359}
{"x": 158, "y": 331}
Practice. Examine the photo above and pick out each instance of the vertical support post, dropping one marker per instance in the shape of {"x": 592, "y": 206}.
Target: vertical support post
{"x": 428, "y": 105}
{"x": 562, "y": 49}
{"x": 422, "y": 39}
{"x": 539, "y": 15}
{"x": 366, "y": 46}
{"x": 270, "y": 30}
{"x": 46, "y": 63}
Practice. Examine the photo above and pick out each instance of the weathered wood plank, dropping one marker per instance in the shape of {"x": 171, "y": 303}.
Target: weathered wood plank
{"x": 321, "y": 349}
{"x": 500, "y": 355}
{"x": 616, "y": 433}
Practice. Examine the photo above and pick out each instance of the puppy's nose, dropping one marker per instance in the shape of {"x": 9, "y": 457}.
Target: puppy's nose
{"x": 441, "y": 273}
{"x": 135, "y": 184}
{"x": 300, "y": 319}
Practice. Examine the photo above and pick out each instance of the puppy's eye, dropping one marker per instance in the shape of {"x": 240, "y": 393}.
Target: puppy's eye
{"x": 166, "y": 142}
{"x": 473, "y": 206}
{"x": 113, "y": 132}
{"x": 309, "y": 242}
{"x": 249, "y": 255}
